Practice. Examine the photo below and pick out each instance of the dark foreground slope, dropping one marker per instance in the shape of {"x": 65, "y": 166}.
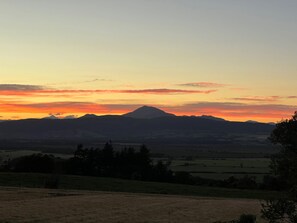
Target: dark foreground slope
{"x": 64, "y": 206}
{"x": 36, "y": 180}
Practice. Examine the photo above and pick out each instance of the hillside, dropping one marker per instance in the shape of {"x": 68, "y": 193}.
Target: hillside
{"x": 44, "y": 205}
{"x": 116, "y": 127}
{"x": 147, "y": 112}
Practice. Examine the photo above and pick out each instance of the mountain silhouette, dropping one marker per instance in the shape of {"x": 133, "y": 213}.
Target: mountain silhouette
{"x": 252, "y": 121}
{"x": 146, "y": 124}
{"x": 51, "y": 117}
{"x": 212, "y": 118}
{"x": 87, "y": 116}
{"x": 148, "y": 112}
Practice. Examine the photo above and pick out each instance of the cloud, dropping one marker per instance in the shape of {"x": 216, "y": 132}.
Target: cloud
{"x": 98, "y": 80}
{"x": 53, "y": 107}
{"x": 56, "y": 114}
{"x": 20, "y": 87}
{"x": 67, "y": 107}
{"x": 228, "y": 110}
{"x": 236, "y": 111}
{"x": 258, "y": 98}
{"x": 163, "y": 91}
{"x": 90, "y": 80}
{"x": 292, "y": 97}
{"x": 60, "y": 115}
{"x": 203, "y": 85}
{"x": 40, "y": 91}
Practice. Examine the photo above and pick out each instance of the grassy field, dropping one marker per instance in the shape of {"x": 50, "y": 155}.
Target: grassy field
{"x": 61, "y": 206}
{"x": 12, "y": 154}
{"x": 118, "y": 185}
{"x": 222, "y": 168}
{"x": 211, "y": 168}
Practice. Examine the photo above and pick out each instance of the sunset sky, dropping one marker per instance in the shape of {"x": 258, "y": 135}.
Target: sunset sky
{"x": 235, "y": 59}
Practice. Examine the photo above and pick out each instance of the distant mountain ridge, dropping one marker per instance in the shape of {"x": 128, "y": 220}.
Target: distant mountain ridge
{"x": 212, "y": 118}
{"x": 89, "y": 116}
{"x": 142, "y": 125}
{"x": 144, "y": 112}
{"x": 148, "y": 112}
{"x": 51, "y": 117}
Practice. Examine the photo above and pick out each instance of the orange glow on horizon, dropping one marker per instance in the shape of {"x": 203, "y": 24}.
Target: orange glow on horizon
{"x": 248, "y": 112}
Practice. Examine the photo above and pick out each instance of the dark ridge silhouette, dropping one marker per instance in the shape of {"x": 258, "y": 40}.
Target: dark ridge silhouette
{"x": 251, "y": 121}
{"x": 167, "y": 128}
{"x": 212, "y": 118}
{"x": 51, "y": 117}
{"x": 147, "y": 112}
{"x": 89, "y": 116}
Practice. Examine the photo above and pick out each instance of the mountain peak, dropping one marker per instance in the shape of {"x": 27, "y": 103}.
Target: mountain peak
{"x": 251, "y": 121}
{"x": 148, "y": 112}
{"x": 51, "y": 117}
{"x": 209, "y": 117}
{"x": 87, "y": 116}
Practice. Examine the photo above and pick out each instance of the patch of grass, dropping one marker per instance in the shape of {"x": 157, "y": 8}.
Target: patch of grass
{"x": 223, "y": 168}
{"x": 224, "y": 176}
{"x": 119, "y": 185}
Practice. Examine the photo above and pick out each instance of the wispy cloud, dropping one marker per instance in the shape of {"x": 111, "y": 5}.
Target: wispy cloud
{"x": 163, "y": 91}
{"x": 248, "y": 107}
{"x": 67, "y": 107}
{"x": 228, "y": 110}
{"x": 203, "y": 85}
{"x": 53, "y": 107}
{"x": 20, "y": 87}
{"x": 236, "y": 110}
{"x": 98, "y": 80}
{"x": 258, "y": 98}
{"x": 56, "y": 114}
{"x": 85, "y": 81}
{"x": 38, "y": 90}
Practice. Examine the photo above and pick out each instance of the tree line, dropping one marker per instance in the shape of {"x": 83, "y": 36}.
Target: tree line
{"x": 128, "y": 163}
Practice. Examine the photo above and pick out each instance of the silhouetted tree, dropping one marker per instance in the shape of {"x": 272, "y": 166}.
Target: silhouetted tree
{"x": 162, "y": 173}
{"x": 34, "y": 163}
{"x": 245, "y": 182}
{"x": 284, "y": 165}
{"x": 127, "y": 163}
{"x": 272, "y": 183}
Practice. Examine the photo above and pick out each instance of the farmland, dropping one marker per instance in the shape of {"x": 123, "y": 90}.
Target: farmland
{"x": 24, "y": 197}
{"x": 118, "y": 185}
{"x": 199, "y": 162}
{"x": 223, "y": 168}
{"x": 44, "y": 205}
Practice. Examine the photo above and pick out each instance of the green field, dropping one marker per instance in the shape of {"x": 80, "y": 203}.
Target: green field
{"x": 210, "y": 168}
{"x": 119, "y": 185}
{"x": 15, "y": 153}
{"x": 11, "y": 154}
{"x": 223, "y": 168}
